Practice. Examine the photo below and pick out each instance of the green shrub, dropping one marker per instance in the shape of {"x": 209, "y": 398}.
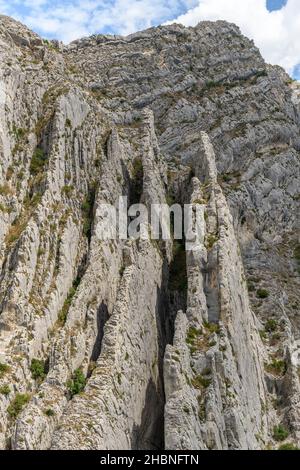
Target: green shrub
{"x": 226, "y": 177}
{"x": 18, "y": 132}
{"x": 77, "y": 383}
{"x": 210, "y": 240}
{"x": 49, "y": 412}
{"x": 261, "y": 73}
{"x": 5, "y": 390}
{"x": 3, "y": 369}
{"x": 271, "y": 325}
{"x": 288, "y": 446}
{"x": 62, "y": 316}
{"x": 201, "y": 382}
{"x": 192, "y": 335}
{"x": 212, "y": 327}
{"x": 17, "y": 404}
{"x": 15, "y": 231}
{"x": 262, "y": 293}
{"x": 38, "y": 161}
{"x": 276, "y": 367}
{"x": 280, "y": 433}
{"x": 38, "y": 369}
{"x": 68, "y": 190}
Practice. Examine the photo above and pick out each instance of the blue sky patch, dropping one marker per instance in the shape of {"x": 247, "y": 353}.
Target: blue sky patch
{"x": 296, "y": 72}
{"x": 275, "y": 4}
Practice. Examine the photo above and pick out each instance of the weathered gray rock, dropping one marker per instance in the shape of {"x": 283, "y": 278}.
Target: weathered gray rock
{"x": 217, "y": 358}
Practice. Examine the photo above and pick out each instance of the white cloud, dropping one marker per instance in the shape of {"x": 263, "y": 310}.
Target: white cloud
{"x": 72, "y": 19}
{"x": 275, "y": 33}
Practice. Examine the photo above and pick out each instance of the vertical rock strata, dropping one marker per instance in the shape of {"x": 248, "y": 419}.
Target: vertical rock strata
{"x": 213, "y": 371}
{"x": 148, "y": 344}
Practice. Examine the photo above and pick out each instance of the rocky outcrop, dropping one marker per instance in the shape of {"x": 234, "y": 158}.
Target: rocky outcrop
{"x": 108, "y": 343}
{"x": 214, "y": 369}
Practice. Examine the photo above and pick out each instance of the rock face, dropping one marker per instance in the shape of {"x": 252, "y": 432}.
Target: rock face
{"x": 214, "y": 369}
{"x": 148, "y": 344}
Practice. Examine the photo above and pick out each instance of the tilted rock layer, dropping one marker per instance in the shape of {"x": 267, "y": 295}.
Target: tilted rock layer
{"x": 144, "y": 344}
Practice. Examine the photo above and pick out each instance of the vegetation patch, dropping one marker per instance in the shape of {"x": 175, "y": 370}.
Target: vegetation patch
{"x": 18, "y": 404}
{"x": 15, "y": 231}
{"x": 5, "y": 390}
{"x": 4, "y": 368}
{"x": 199, "y": 382}
{"x": 19, "y": 132}
{"x": 49, "y": 412}
{"x": 68, "y": 190}
{"x": 271, "y": 325}
{"x": 210, "y": 240}
{"x": 20, "y": 223}
{"x": 38, "y": 370}
{"x": 276, "y": 367}
{"x": 262, "y": 293}
{"x": 192, "y": 335}
{"x": 62, "y": 316}
{"x": 198, "y": 340}
{"x": 280, "y": 433}
{"x": 212, "y": 327}
{"x": 288, "y": 446}
{"x": 38, "y": 161}
{"x": 77, "y": 383}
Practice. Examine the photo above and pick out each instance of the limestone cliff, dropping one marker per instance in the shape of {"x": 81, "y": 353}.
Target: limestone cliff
{"x": 146, "y": 344}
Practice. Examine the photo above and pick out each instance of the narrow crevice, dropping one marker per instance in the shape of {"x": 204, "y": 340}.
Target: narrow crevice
{"x": 136, "y": 182}
{"x": 102, "y": 317}
{"x": 149, "y": 435}
{"x": 171, "y": 297}
{"x": 211, "y": 289}
{"x": 88, "y": 211}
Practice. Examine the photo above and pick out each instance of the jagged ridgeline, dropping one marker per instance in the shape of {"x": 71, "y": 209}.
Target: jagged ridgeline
{"x": 140, "y": 344}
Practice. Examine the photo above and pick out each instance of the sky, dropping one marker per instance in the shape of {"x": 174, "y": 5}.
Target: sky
{"x": 273, "y": 24}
